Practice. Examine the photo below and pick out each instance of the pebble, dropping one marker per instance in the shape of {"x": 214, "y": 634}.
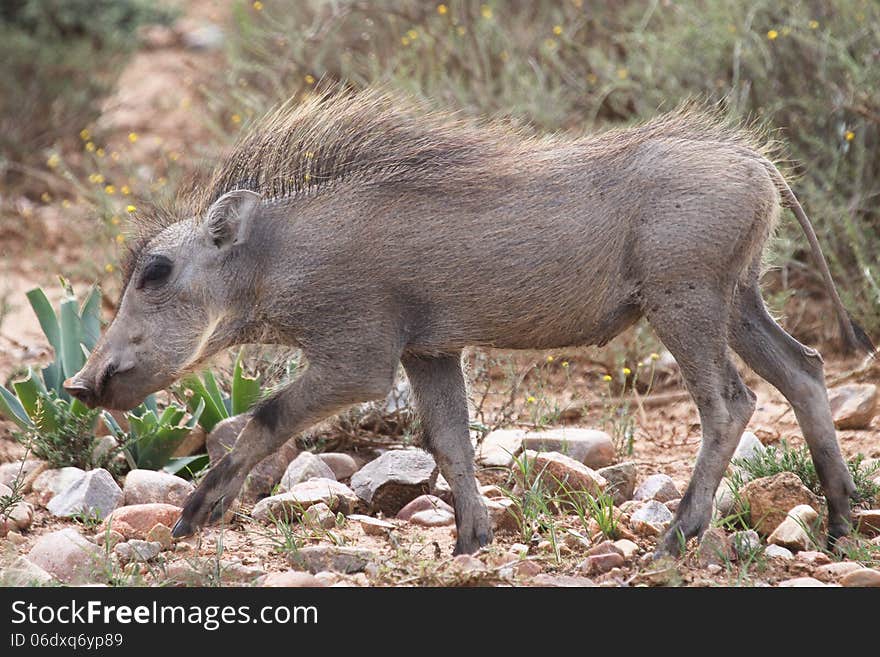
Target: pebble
{"x": 715, "y": 548}
{"x": 390, "y": 482}
{"x": 853, "y": 406}
{"x": 150, "y": 486}
{"x": 867, "y": 522}
{"x": 862, "y": 577}
{"x": 319, "y": 515}
{"x": 745, "y": 543}
{"x": 373, "y": 526}
{"x": 562, "y": 581}
{"x": 770, "y": 498}
{"x": 627, "y": 548}
{"x": 161, "y": 534}
{"x": 432, "y": 518}
{"x": 651, "y": 519}
{"x": 137, "y": 520}
{"x": 659, "y": 487}
{"x": 498, "y": 448}
{"x": 66, "y": 555}
{"x": 95, "y": 494}
{"x": 24, "y": 572}
{"x": 790, "y": 533}
{"x": 330, "y": 557}
{"x": 561, "y": 474}
{"x": 423, "y": 503}
{"x": 137, "y": 551}
{"x": 287, "y": 506}
{"x": 834, "y": 571}
{"x": 291, "y": 579}
{"x": 778, "y": 552}
{"x": 304, "y": 467}
{"x": 342, "y": 465}
{"x": 800, "y": 582}
{"x": 593, "y": 448}
{"x": 51, "y": 482}
{"x": 621, "y": 480}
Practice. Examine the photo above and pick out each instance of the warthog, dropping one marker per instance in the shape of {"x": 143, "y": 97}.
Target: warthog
{"x": 369, "y": 232}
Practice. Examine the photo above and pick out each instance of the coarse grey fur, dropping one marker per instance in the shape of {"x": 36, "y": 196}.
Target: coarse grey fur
{"x": 371, "y": 232}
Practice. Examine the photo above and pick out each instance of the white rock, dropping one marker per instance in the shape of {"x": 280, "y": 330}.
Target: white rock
{"x": 51, "y": 482}
{"x": 750, "y": 447}
{"x": 651, "y": 519}
{"x": 66, "y": 555}
{"x": 304, "y": 467}
{"x": 289, "y": 505}
{"x": 137, "y": 550}
{"x": 151, "y": 486}
{"x": 659, "y": 487}
{"x": 95, "y": 494}
{"x": 791, "y": 532}
{"x": 499, "y": 447}
{"x": 23, "y": 572}
{"x": 593, "y": 448}
{"x": 853, "y": 406}
{"x": 778, "y": 552}
{"x": 343, "y": 465}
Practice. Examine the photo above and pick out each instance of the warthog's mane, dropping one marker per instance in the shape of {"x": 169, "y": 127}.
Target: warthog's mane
{"x": 399, "y": 143}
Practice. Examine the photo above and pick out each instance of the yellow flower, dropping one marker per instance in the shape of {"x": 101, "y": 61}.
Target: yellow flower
{"x": 53, "y": 161}
{"x": 550, "y": 43}
{"x": 108, "y": 268}
{"x": 235, "y": 118}
{"x": 622, "y": 73}
{"x": 461, "y": 31}
{"x": 84, "y": 134}
{"x": 530, "y": 399}
{"x": 772, "y": 34}
{"x": 413, "y": 35}
{"x": 90, "y": 146}
{"x": 100, "y": 152}
{"x": 258, "y": 6}
{"x": 565, "y": 364}
{"x": 307, "y": 177}
{"x": 65, "y": 203}
{"x": 814, "y": 25}
{"x": 174, "y": 155}
{"x": 592, "y": 78}
{"x": 114, "y": 155}
{"x": 606, "y": 378}
{"x": 442, "y": 9}
{"x": 549, "y": 359}
{"x": 309, "y": 155}
{"x": 96, "y": 178}
{"x": 557, "y": 30}
{"x": 404, "y": 40}
{"x": 110, "y": 189}
{"x": 655, "y": 356}
{"x": 125, "y": 189}
{"x": 850, "y": 135}
{"x": 130, "y": 209}
{"x": 626, "y": 371}
{"x": 310, "y": 79}
{"x": 120, "y": 238}
{"x": 46, "y": 197}
{"x": 132, "y": 137}
{"x": 486, "y": 11}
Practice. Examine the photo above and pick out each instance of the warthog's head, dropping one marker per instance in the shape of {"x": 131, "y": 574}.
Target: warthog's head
{"x": 176, "y": 309}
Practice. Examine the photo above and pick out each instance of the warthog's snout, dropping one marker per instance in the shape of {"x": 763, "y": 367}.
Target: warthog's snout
{"x": 92, "y": 390}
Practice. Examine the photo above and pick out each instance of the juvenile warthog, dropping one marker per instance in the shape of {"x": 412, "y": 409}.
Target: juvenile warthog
{"x": 371, "y": 232}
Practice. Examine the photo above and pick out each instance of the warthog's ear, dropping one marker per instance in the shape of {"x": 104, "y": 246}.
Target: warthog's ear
{"x": 229, "y": 218}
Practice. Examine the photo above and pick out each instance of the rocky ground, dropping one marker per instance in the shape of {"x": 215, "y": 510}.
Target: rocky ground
{"x": 349, "y": 519}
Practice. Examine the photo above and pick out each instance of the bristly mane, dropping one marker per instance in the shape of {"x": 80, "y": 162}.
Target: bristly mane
{"x": 404, "y": 145}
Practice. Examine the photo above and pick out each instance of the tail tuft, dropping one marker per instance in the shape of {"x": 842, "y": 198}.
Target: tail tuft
{"x": 855, "y": 340}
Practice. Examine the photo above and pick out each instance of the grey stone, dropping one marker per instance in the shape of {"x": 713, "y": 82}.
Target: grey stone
{"x": 853, "y": 406}
{"x": 289, "y": 505}
{"x": 137, "y": 550}
{"x": 791, "y": 533}
{"x": 9, "y": 472}
{"x": 423, "y": 503}
{"x": 304, "y": 467}
{"x": 23, "y": 572}
{"x": 330, "y": 557}
{"x": 343, "y": 465}
{"x": 498, "y": 448}
{"x": 94, "y": 494}
{"x": 150, "y": 486}
{"x": 51, "y": 482}
{"x": 621, "y": 480}
{"x": 397, "y": 477}
{"x": 651, "y": 519}
{"x": 659, "y": 487}
{"x": 66, "y": 555}
{"x": 319, "y": 515}
{"x": 593, "y": 448}
{"x": 778, "y": 552}
{"x": 745, "y": 543}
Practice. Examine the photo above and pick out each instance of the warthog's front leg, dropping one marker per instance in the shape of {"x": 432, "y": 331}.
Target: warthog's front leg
{"x": 317, "y": 394}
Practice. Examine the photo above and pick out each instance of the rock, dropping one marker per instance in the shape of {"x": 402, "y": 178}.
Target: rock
{"x": 222, "y": 437}
{"x": 601, "y": 563}
{"x": 627, "y": 548}
{"x": 725, "y": 500}
{"x": 390, "y": 482}
{"x": 467, "y": 563}
{"x": 66, "y": 555}
{"x": 150, "y": 486}
{"x": 330, "y": 557}
{"x": 319, "y": 515}
{"x": 51, "y": 482}
{"x": 291, "y": 579}
{"x": 651, "y": 519}
{"x": 791, "y": 533}
{"x": 750, "y": 447}
{"x": 853, "y": 406}
{"x": 304, "y": 467}
{"x": 595, "y": 449}
{"x": 289, "y": 505}
{"x": 658, "y": 487}
{"x": 342, "y": 465}
{"x": 95, "y": 494}
{"x": 562, "y": 581}
{"x": 673, "y": 505}
{"x": 504, "y": 514}
{"x": 24, "y": 572}
{"x": 862, "y": 577}
{"x": 867, "y": 522}
{"x": 373, "y": 526}
{"x": 433, "y": 518}
{"x": 137, "y": 520}
{"x": 621, "y": 480}
{"x": 832, "y": 572}
{"x": 161, "y": 534}
{"x": 190, "y": 573}
{"x": 770, "y": 498}
{"x": 813, "y": 558}
{"x": 492, "y": 492}
{"x": 715, "y": 548}
{"x": 800, "y": 582}
{"x": 26, "y": 473}
{"x": 561, "y": 474}
{"x": 21, "y": 515}
{"x": 208, "y": 36}
{"x": 498, "y": 448}
{"x": 631, "y": 506}
{"x": 137, "y": 550}
{"x": 423, "y": 503}
{"x": 745, "y": 544}
{"x": 108, "y": 537}
{"x": 527, "y": 568}
{"x": 778, "y": 552}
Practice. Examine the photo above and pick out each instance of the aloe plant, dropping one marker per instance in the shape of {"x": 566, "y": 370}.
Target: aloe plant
{"x": 153, "y": 436}
{"x": 206, "y": 393}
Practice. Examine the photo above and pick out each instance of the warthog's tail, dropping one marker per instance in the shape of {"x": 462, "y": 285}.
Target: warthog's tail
{"x": 853, "y": 336}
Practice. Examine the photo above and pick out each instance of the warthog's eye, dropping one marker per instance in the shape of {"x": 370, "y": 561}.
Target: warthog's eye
{"x": 156, "y": 271}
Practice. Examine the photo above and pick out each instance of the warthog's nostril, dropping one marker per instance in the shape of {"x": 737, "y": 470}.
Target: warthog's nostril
{"x": 79, "y": 390}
